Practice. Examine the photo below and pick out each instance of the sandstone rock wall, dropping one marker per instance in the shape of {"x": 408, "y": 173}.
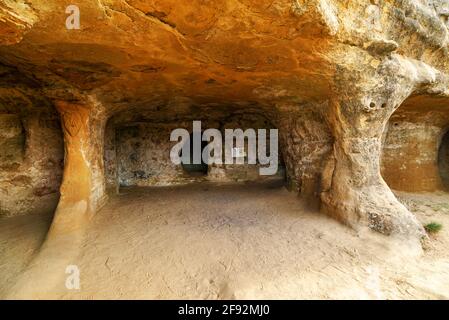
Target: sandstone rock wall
{"x": 413, "y": 152}
{"x": 31, "y": 147}
{"x": 333, "y": 76}
{"x": 30, "y": 181}
{"x": 410, "y": 159}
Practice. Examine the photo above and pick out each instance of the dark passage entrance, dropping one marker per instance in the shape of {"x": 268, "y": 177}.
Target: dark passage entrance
{"x": 195, "y": 169}
{"x": 443, "y": 160}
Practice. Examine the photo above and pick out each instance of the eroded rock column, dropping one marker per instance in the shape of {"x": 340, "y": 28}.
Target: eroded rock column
{"x": 83, "y": 186}
{"x": 82, "y": 194}
{"x": 353, "y": 189}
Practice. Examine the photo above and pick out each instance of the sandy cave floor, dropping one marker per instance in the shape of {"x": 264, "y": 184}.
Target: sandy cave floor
{"x": 250, "y": 241}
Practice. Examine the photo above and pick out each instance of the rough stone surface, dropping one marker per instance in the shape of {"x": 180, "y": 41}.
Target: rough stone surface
{"x": 31, "y": 156}
{"x": 333, "y": 76}
{"x": 414, "y": 149}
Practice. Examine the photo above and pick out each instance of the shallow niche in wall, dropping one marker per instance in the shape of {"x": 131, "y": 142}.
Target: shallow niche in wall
{"x": 12, "y": 140}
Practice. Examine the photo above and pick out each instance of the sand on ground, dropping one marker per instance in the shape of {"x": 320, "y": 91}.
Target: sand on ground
{"x": 241, "y": 241}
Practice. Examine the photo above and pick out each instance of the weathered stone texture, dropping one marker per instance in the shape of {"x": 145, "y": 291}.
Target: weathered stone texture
{"x": 333, "y": 76}
{"x": 31, "y": 163}
{"x": 413, "y": 154}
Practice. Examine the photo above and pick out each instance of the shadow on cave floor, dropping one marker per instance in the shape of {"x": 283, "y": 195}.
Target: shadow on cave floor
{"x": 20, "y": 239}
{"x": 193, "y": 187}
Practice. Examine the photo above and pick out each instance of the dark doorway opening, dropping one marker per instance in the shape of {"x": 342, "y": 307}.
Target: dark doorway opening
{"x": 198, "y": 169}
{"x": 443, "y": 160}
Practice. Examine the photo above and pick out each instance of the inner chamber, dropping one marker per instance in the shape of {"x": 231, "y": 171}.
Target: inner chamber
{"x": 137, "y": 148}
